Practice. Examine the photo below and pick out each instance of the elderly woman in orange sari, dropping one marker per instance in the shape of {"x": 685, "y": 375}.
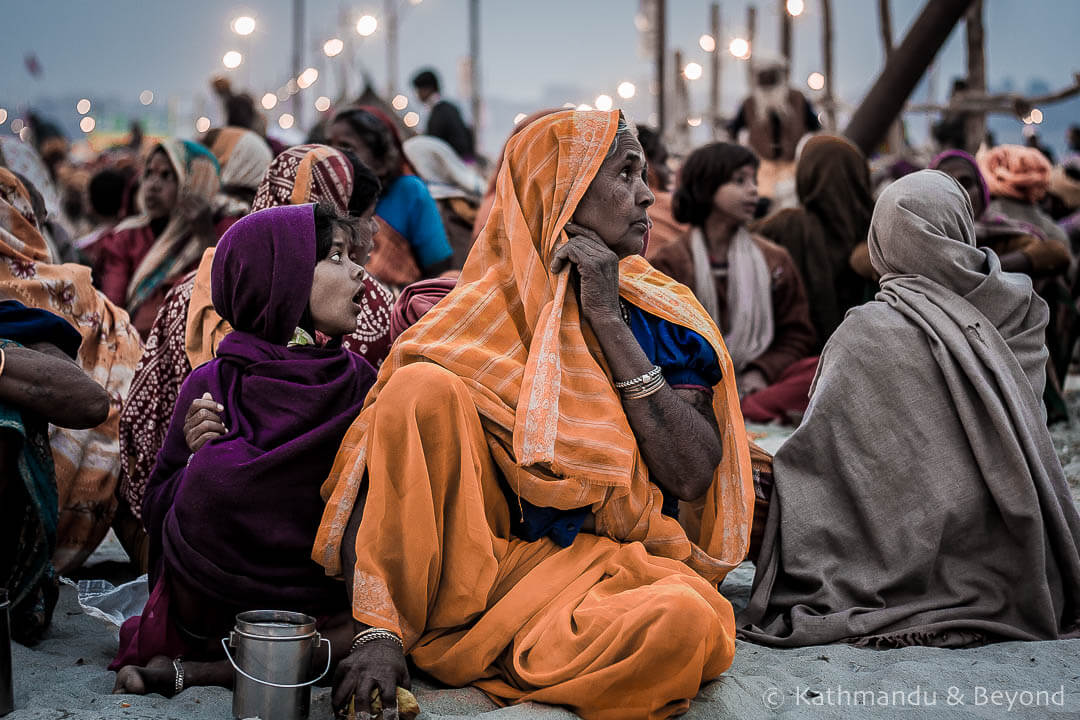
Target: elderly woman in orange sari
{"x": 551, "y": 475}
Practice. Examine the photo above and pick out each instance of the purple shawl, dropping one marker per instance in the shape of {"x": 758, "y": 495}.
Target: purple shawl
{"x": 238, "y": 520}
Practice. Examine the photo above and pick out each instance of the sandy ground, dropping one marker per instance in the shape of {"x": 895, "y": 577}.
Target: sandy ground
{"x": 65, "y": 676}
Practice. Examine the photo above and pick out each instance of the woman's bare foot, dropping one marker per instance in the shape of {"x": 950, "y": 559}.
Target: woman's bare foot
{"x": 159, "y": 676}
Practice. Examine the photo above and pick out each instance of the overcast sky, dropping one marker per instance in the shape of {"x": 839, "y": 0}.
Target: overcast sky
{"x": 532, "y": 53}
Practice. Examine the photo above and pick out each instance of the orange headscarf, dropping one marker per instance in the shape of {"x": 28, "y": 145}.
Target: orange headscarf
{"x": 87, "y": 461}
{"x": 555, "y": 423}
{"x": 488, "y": 200}
{"x": 1015, "y": 171}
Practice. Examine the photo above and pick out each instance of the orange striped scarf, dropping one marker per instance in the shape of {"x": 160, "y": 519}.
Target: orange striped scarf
{"x": 554, "y": 421}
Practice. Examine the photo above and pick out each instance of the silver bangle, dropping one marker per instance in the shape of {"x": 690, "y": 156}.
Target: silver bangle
{"x": 375, "y": 633}
{"x": 178, "y": 683}
{"x": 649, "y": 388}
{"x": 641, "y": 379}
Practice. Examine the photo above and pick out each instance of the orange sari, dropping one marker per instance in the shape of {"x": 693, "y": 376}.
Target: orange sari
{"x": 503, "y": 380}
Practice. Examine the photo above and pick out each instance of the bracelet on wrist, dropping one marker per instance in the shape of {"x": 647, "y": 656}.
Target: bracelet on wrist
{"x": 641, "y": 379}
{"x": 643, "y": 391}
{"x": 371, "y": 634}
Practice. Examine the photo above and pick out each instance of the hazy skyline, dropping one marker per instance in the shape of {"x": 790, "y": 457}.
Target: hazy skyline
{"x": 532, "y": 54}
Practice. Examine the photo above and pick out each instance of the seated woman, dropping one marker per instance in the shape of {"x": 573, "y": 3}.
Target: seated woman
{"x": 411, "y": 242}
{"x": 144, "y": 256}
{"x": 506, "y": 510}
{"x": 749, "y": 286}
{"x": 1018, "y": 178}
{"x": 86, "y": 461}
{"x": 39, "y": 384}
{"x": 232, "y": 508}
{"x": 921, "y": 501}
{"x": 455, "y": 186}
{"x": 832, "y": 180}
{"x": 1021, "y": 246}
{"x": 243, "y": 156}
{"x": 188, "y": 330}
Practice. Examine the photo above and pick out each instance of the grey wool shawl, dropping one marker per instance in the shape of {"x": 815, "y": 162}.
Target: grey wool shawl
{"x": 921, "y": 501}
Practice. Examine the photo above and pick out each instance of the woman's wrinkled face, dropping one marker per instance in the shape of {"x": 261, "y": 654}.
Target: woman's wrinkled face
{"x": 964, "y": 174}
{"x": 615, "y": 204}
{"x": 336, "y": 289}
{"x": 160, "y": 186}
{"x": 737, "y": 199}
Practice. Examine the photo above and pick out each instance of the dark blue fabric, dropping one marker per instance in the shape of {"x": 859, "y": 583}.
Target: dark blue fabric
{"x": 686, "y": 359}
{"x": 27, "y": 326}
{"x": 562, "y": 526}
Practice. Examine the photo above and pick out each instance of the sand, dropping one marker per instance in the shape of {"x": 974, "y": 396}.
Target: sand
{"x": 65, "y": 676}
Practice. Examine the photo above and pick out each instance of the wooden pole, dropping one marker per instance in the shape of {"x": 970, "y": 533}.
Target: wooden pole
{"x": 885, "y": 24}
{"x": 895, "y": 139}
{"x": 751, "y": 31}
{"x": 714, "y": 89}
{"x": 975, "y": 124}
{"x": 390, "y": 7}
{"x": 661, "y": 75}
{"x": 785, "y": 34}
{"x": 474, "y": 68}
{"x": 827, "y": 52}
{"x": 902, "y": 71}
{"x": 297, "y": 107}
{"x": 680, "y": 129}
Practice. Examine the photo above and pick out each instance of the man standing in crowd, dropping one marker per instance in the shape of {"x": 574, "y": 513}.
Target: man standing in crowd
{"x": 444, "y": 118}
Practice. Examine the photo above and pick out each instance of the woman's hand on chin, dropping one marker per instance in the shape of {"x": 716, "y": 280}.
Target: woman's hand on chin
{"x": 597, "y": 273}
{"x": 378, "y": 664}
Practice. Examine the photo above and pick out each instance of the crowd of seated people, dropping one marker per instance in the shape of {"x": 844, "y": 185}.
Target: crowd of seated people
{"x": 493, "y": 429}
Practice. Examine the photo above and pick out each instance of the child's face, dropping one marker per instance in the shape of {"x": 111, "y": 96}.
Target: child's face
{"x": 738, "y": 197}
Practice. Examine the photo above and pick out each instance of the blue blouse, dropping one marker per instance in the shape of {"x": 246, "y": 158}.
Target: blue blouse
{"x": 408, "y": 207}
{"x": 687, "y": 359}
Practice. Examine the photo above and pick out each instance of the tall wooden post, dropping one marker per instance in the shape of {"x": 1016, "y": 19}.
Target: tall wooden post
{"x": 390, "y": 7}
{"x": 714, "y": 88}
{"x": 751, "y": 32}
{"x": 975, "y": 124}
{"x": 680, "y": 129}
{"x": 474, "y": 68}
{"x": 785, "y": 33}
{"x": 830, "y": 76}
{"x": 895, "y": 138}
{"x": 297, "y": 107}
{"x": 902, "y": 71}
{"x": 660, "y": 23}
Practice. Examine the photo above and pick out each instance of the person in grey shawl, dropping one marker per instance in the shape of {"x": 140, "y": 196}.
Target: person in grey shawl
{"x": 921, "y": 500}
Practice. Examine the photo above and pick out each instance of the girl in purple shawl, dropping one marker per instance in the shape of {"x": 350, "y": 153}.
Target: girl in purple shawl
{"x": 232, "y": 514}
